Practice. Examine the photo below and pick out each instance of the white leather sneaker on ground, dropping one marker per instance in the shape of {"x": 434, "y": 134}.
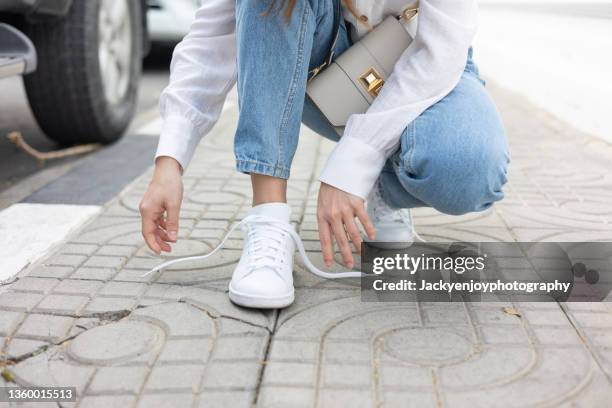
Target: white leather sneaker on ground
{"x": 394, "y": 227}
{"x": 264, "y": 276}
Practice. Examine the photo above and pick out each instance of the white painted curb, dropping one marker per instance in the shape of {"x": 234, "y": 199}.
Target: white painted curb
{"x": 29, "y": 231}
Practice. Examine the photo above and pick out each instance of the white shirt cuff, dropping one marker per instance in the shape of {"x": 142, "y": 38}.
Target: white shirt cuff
{"x": 353, "y": 167}
{"x": 178, "y": 139}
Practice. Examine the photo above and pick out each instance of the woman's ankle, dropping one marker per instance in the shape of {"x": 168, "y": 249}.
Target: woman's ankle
{"x": 268, "y": 189}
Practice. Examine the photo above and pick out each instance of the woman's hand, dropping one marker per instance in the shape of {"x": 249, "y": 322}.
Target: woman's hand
{"x": 161, "y": 205}
{"x": 336, "y": 215}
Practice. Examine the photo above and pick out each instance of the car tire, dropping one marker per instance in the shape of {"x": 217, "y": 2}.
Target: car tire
{"x": 72, "y": 94}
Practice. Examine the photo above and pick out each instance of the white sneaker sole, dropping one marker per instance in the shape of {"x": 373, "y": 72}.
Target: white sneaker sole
{"x": 260, "y": 302}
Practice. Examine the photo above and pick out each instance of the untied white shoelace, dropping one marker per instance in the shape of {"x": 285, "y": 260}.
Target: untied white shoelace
{"x": 260, "y": 219}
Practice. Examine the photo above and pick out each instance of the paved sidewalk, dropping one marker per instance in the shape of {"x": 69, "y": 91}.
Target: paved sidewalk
{"x": 86, "y": 318}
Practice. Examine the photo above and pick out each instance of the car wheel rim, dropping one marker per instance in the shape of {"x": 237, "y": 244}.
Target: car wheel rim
{"x": 115, "y": 48}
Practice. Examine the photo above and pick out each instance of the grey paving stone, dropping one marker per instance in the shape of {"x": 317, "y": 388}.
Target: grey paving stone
{"x": 104, "y": 262}
{"x": 478, "y": 372}
{"x": 101, "y": 274}
{"x": 421, "y": 399}
{"x": 281, "y": 397}
{"x": 593, "y": 320}
{"x": 558, "y": 336}
{"x": 306, "y": 351}
{"x": 189, "y": 350}
{"x": 234, "y": 398}
{"x": 20, "y": 347}
{"x": 109, "y": 304}
{"x": 112, "y": 380}
{"x": 495, "y": 316}
{"x": 347, "y": 375}
{"x": 232, "y": 374}
{"x": 37, "y": 285}
{"x": 244, "y": 347}
{"x": 554, "y": 317}
{"x": 19, "y": 301}
{"x": 123, "y": 289}
{"x": 601, "y": 338}
{"x": 133, "y": 275}
{"x": 229, "y": 326}
{"x": 45, "y": 271}
{"x": 61, "y": 304}
{"x": 166, "y": 400}
{"x": 77, "y": 287}
{"x": 116, "y": 342}
{"x": 9, "y": 321}
{"x": 193, "y": 322}
{"x": 345, "y": 398}
{"x": 503, "y": 335}
{"x": 45, "y": 327}
{"x": 339, "y": 352}
{"x": 47, "y": 370}
{"x": 290, "y": 374}
{"x": 105, "y": 401}
{"x": 403, "y": 377}
{"x": 79, "y": 249}
{"x": 114, "y": 250}
{"x": 66, "y": 260}
{"x": 175, "y": 377}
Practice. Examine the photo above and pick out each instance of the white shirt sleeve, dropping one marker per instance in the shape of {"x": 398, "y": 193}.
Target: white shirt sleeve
{"x": 428, "y": 70}
{"x": 202, "y": 72}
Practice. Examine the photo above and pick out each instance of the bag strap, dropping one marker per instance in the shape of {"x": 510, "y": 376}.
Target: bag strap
{"x": 330, "y": 55}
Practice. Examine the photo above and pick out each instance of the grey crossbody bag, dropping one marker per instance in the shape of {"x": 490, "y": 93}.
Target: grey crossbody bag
{"x": 349, "y": 84}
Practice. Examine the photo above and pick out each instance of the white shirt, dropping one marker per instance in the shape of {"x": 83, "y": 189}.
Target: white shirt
{"x": 203, "y": 71}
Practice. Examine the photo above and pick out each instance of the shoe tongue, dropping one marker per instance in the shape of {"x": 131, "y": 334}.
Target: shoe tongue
{"x": 279, "y": 211}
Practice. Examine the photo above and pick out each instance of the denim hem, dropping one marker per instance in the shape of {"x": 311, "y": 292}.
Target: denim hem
{"x": 249, "y": 166}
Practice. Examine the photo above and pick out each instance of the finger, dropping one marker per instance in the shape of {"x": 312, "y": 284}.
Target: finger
{"x": 353, "y": 232}
{"x": 172, "y": 220}
{"x": 163, "y": 245}
{"x": 149, "y": 228}
{"x": 161, "y": 229}
{"x": 326, "y": 242}
{"x": 342, "y": 240}
{"x": 366, "y": 222}
{"x": 163, "y": 234}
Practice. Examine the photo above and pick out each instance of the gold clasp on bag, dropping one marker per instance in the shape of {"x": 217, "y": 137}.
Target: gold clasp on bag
{"x": 409, "y": 13}
{"x": 372, "y": 81}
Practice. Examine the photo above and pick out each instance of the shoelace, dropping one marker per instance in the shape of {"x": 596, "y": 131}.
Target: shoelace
{"x": 259, "y": 219}
{"x": 265, "y": 246}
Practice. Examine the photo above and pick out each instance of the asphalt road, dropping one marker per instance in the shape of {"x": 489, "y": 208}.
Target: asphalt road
{"x": 21, "y": 176}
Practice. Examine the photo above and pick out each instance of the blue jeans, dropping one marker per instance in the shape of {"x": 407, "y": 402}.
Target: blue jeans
{"x": 454, "y": 157}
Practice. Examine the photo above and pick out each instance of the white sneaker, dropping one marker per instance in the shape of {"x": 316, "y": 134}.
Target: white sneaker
{"x": 394, "y": 227}
{"x": 263, "y": 278}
